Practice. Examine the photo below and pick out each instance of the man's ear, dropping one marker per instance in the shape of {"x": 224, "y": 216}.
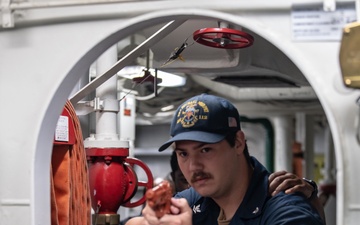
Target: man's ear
{"x": 240, "y": 141}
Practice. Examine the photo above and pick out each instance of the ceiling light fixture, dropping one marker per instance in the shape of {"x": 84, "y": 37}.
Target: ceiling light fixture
{"x": 168, "y": 79}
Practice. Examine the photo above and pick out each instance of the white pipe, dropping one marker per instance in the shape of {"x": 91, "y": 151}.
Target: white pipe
{"x": 205, "y": 4}
{"x": 107, "y": 92}
{"x": 52, "y": 4}
{"x": 305, "y": 135}
{"x": 131, "y": 8}
{"x": 96, "y": 9}
{"x": 106, "y": 115}
{"x": 283, "y": 140}
{"x": 300, "y": 129}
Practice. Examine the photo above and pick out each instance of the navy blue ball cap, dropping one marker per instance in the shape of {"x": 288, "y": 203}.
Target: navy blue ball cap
{"x": 203, "y": 118}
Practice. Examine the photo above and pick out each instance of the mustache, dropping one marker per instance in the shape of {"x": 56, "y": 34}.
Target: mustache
{"x": 200, "y": 175}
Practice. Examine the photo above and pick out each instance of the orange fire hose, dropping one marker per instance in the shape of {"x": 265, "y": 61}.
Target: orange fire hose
{"x": 70, "y": 192}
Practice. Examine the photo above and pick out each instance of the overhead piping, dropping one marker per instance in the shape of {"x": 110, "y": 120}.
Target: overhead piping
{"x": 10, "y": 10}
{"x": 223, "y": 5}
{"x": 53, "y": 4}
{"x": 127, "y": 59}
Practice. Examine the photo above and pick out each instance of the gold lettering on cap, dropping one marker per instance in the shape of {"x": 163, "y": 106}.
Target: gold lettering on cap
{"x": 192, "y": 111}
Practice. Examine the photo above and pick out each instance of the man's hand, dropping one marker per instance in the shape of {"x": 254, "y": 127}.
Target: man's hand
{"x": 288, "y": 182}
{"x": 180, "y": 213}
{"x": 158, "y": 198}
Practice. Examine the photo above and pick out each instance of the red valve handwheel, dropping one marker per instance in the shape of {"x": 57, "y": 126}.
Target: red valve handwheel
{"x": 223, "y": 38}
{"x": 132, "y": 182}
{"x": 147, "y": 184}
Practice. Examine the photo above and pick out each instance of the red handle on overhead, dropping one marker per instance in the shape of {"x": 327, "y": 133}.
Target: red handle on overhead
{"x": 223, "y": 38}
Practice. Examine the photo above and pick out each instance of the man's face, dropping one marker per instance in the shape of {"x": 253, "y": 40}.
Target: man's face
{"x": 209, "y": 168}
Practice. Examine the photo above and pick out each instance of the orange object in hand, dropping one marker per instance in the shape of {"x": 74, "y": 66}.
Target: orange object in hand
{"x": 159, "y": 198}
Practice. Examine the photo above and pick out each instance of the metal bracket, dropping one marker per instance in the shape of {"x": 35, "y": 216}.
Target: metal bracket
{"x": 7, "y": 15}
{"x": 329, "y": 5}
{"x": 97, "y": 105}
